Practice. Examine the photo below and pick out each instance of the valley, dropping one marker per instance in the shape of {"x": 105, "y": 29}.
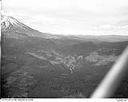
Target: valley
{"x": 36, "y": 64}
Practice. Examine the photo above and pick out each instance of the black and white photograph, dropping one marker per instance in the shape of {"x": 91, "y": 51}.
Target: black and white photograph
{"x": 64, "y": 49}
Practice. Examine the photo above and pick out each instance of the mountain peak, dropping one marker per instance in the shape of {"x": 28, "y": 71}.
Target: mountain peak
{"x": 7, "y": 22}
{"x": 12, "y": 27}
{"x": 8, "y": 19}
{"x": 10, "y": 23}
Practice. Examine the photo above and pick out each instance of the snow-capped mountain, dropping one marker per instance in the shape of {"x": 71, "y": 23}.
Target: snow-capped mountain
{"x": 10, "y": 23}
{"x": 11, "y": 27}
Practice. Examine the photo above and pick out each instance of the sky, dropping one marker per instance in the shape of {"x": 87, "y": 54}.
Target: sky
{"x": 71, "y": 17}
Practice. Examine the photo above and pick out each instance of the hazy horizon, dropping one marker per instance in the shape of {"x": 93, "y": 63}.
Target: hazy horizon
{"x": 71, "y": 17}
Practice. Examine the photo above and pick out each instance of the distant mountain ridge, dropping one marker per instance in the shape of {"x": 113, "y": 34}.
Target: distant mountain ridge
{"x": 13, "y": 28}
